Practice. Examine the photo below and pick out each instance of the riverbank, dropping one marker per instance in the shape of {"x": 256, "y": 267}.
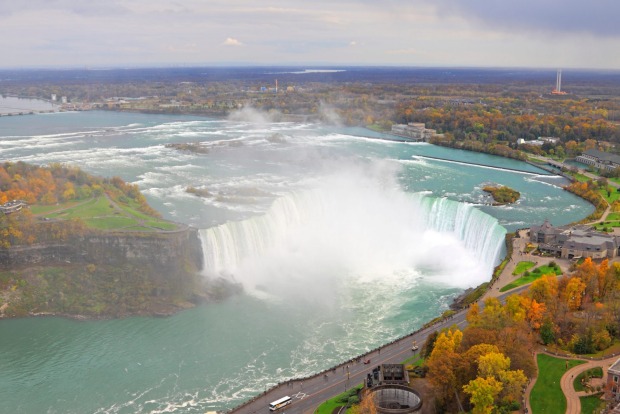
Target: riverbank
{"x": 17, "y": 106}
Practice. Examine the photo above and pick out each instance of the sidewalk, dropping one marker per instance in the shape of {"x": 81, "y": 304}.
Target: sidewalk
{"x": 573, "y": 404}
{"x": 518, "y": 255}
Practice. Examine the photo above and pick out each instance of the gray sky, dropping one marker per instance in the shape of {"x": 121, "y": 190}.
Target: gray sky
{"x": 502, "y": 33}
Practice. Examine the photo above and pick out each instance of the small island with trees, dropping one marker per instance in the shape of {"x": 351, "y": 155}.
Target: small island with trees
{"x": 502, "y": 194}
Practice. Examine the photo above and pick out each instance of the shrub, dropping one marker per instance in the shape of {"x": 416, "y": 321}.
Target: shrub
{"x": 354, "y": 399}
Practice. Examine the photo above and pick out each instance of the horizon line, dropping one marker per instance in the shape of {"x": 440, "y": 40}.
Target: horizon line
{"x": 292, "y": 65}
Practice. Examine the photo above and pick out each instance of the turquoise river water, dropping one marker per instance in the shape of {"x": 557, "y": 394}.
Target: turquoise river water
{"x": 342, "y": 243}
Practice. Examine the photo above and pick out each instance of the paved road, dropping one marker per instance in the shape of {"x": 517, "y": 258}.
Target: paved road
{"x": 310, "y": 393}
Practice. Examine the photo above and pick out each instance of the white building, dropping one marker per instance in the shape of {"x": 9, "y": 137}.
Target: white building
{"x": 414, "y": 130}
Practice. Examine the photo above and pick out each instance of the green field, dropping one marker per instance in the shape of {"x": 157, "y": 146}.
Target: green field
{"x": 532, "y": 276}
{"x": 580, "y": 177}
{"x": 612, "y": 220}
{"x": 338, "y": 401}
{"x": 522, "y": 267}
{"x": 547, "y": 396}
{"x": 610, "y": 196}
{"x": 102, "y": 214}
{"x": 591, "y": 404}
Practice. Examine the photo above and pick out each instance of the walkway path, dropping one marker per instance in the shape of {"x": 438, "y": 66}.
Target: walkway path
{"x": 519, "y": 255}
{"x": 573, "y": 404}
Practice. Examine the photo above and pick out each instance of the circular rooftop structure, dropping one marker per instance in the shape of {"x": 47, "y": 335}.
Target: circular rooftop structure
{"x": 395, "y": 399}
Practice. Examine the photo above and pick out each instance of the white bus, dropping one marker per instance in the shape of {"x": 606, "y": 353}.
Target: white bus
{"x": 280, "y": 403}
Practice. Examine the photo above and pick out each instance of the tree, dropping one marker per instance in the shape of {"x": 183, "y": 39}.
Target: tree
{"x": 575, "y": 289}
{"x": 483, "y": 392}
{"x": 429, "y": 345}
{"x": 492, "y": 363}
{"x": 469, "y": 364}
{"x": 535, "y": 313}
{"x": 544, "y": 290}
{"x": 366, "y": 406}
{"x": 443, "y": 362}
{"x": 513, "y": 382}
{"x": 547, "y": 332}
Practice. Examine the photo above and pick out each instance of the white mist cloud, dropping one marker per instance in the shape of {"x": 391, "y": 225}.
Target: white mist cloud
{"x": 253, "y": 115}
{"x": 329, "y": 114}
{"x": 354, "y": 225}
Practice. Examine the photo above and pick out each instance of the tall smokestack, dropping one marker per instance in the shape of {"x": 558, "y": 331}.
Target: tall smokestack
{"x": 558, "y": 82}
{"x": 276, "y": 86}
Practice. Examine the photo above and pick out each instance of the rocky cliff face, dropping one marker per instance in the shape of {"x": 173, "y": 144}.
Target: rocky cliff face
{"x": 161, "y": 250}
{"x": 107, "y": 275}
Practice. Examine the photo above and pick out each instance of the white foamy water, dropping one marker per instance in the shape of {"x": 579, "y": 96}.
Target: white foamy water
{"x": 342, "y": 243}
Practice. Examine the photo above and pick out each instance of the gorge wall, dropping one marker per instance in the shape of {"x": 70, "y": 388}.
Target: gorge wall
{"x": 111, "y": 274}
{"x": 162, "y": 250}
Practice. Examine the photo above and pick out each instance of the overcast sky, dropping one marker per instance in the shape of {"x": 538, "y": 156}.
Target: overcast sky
{"x": 498, "y": 33}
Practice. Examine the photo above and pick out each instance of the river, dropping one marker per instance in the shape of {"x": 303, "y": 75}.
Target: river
{"x": 342, "y": 242}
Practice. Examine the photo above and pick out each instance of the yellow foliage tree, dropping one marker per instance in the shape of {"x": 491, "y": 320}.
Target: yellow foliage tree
{"x": 483, "y": 392}
{"x": 575, "y": 289}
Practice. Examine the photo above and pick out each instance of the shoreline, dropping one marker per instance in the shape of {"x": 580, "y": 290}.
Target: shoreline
{"x": 29, "y": 111}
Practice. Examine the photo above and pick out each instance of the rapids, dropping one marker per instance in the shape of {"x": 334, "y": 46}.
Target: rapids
{"x": 342, "y": 243}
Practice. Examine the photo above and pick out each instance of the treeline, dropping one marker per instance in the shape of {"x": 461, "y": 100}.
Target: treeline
{"x": 503, "y": 150}
{"x": 496, "y": 118}
{"x": 486, "y": 365}
{"x": 589, "y": 191}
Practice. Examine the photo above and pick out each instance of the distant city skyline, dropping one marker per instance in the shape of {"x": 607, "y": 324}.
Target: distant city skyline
{"x": 476, "y": 33}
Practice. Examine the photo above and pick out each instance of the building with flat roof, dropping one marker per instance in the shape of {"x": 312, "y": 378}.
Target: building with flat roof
{"x": 599, "y": 159}
{"x": 415, "y": 130}
{"x": 576, "y": 241}
{"x": 612, "y": 390}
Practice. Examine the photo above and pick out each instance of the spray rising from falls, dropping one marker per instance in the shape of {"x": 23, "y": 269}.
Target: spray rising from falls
{"x": 355, "y": 226}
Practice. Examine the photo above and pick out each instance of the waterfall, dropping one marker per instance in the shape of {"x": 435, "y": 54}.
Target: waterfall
{"x": 357, "y": 228}
{"x": 479, "y": 232}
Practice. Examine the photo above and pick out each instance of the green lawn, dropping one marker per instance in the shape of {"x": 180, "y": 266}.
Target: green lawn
{"x": 547, "y": 396}
{"x": 414, "y": 360}
{"x": 596, "y": 372}
{"x": 99, "y": 213}
{"x": 581, "y": 178}
{"x": 612, "y": 220}
{"x": 45, "y": 209}
{"x": 591, "y": 404}
{"x": 92, "y": 208}
{"x": 338, "y": 401}
{"x": 522, "y": 267}
{"x": 110, "y": 223}
{"x": 613, "y": 195}
{"x": 535, "y": 274}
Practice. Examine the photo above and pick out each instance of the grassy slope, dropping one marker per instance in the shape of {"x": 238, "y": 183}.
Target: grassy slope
{"x": 547, "y": 396}
{"x": 591, "y": 403}
{"x": 99, "y": 213}
{"x": 538, "y": 272}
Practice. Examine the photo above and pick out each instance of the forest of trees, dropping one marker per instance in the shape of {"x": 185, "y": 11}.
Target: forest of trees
{"x": 488, "y": 363}
{"x": 506, "y": 119}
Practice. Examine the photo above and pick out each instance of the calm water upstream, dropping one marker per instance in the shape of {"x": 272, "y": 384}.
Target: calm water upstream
{"x": 341, "y": 242}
